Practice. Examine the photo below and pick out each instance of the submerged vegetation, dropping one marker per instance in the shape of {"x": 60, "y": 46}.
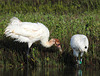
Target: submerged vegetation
{"x": 63, "y": 18}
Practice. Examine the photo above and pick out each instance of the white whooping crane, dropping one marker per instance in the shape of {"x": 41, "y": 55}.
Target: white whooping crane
{"x": 30, "y": 32}
{"x": 79, "y": 43}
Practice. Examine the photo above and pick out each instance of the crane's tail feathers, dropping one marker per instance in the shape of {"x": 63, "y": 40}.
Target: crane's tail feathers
{"x": 14, "y": 20}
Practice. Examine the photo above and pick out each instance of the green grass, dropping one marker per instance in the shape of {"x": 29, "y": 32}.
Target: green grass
{"x": 48, "y": 6}
{"x": 61, "y": 27}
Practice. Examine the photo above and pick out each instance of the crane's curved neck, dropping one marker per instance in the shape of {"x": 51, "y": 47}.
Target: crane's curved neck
{"x": 47, "y": 44}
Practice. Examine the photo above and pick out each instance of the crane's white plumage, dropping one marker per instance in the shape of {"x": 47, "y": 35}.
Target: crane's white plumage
{"x": 29, "y": 32}
{"x": 79, "y": 43}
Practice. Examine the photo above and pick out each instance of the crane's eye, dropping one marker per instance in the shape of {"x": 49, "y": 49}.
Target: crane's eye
{"x": 85, "y": 47}
{"x": 57, "y": 44}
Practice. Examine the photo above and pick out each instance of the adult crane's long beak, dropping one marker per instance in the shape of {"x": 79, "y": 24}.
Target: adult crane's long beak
{"x": 59, "y": 47}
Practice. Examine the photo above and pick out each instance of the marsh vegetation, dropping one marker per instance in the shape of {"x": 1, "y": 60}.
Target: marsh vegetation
{"x": 63, "y": 18}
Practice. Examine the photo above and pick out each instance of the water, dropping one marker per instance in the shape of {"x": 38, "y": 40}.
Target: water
{"x": 49, "y": 71}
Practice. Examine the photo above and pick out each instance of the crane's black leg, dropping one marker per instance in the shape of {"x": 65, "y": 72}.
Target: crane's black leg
{"x": 28, "y": 52}
{"x": 26, "y": 57}
{"x": 27, "y": 61}
{"x": 30, "y": 58}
